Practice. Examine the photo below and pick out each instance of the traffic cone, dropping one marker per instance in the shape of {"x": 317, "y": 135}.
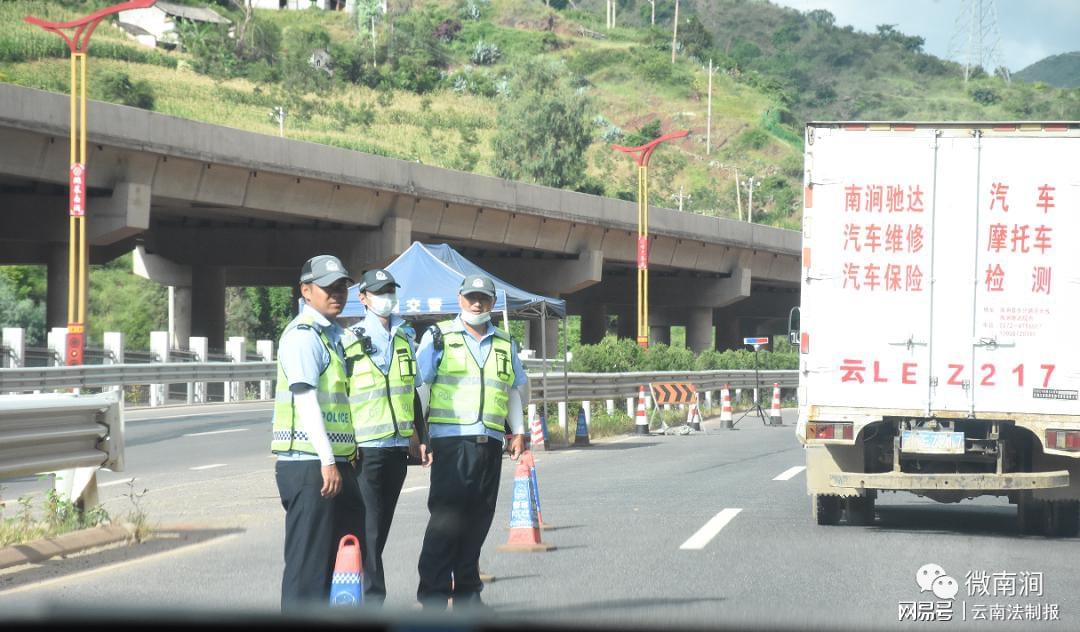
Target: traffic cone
{"x": 582, "y": 436}
{"x": 725, "y": 408}
{"x": 775, "y": 412}
{"x": 528, "y": 459}
{"x": 693, "y": 417}
{"x": 537, "y": 438}
{"x": 347, "y": 584}
{"x": 641, "y": 422}
{"x": 524, "y": 524}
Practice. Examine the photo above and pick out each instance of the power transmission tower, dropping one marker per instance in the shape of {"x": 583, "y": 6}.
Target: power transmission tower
{"x": 976, "y": 38}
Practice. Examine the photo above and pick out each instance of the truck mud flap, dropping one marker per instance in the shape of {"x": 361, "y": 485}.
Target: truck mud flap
{"x": 985, "y": 482}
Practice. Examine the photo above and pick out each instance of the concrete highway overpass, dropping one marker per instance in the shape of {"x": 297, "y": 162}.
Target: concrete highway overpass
{"x": 210, "y": 206}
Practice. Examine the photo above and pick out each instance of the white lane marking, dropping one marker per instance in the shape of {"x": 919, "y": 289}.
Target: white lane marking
{"x": 705, "y": 534}
{"x": 120, "y": 482}
{"x": 235, "y": 411}
{"x": 214, "y": 432}
{"x": 408, "y": 490}
{"x": 790, "y": 473}
{"x": 206, "y": 467}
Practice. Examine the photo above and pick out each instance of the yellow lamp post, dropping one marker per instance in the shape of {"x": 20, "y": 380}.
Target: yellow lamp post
{"x": 641, "y": 157}
{"x": 78, "y": 253}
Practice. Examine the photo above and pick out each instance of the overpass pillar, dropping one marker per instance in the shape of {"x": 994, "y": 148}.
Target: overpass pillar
{"x": 728, "y": 332}
{"x": 659, "y": 334}
{"x": 627, "y": 325}
{"x": 56, "y": 287}
{"x": 593, "y": 323}
{"x": 179, "y": 316}
{"x": 552, "y": 335}
{"x": 699, "y": 328}
{"x": 208, "y": 304}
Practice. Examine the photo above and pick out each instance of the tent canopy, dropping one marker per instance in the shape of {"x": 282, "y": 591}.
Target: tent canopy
{"x": 430, "y": 275}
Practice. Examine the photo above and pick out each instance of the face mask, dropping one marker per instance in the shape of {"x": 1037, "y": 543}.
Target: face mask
{"x": 382, "y": 304}
{"x": 475, "y": 319}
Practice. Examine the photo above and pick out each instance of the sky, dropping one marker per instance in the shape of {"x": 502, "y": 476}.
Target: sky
{"x": 1029, "y": 30}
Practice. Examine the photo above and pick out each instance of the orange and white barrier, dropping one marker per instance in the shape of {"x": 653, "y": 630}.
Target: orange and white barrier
{"x": 775, "y": 412}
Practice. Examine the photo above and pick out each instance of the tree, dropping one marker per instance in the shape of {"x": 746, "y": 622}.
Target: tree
{"x": 544, "y": 132}
{"x": 19, "y": 309}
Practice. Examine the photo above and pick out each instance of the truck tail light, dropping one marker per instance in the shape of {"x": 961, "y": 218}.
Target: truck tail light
{"x": 845, "y": 431}
{"x": 804, "y": 342}
{"x": 1063, "y": 440}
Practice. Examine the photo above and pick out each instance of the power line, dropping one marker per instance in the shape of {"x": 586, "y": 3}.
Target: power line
{"x": 976, "y": 39}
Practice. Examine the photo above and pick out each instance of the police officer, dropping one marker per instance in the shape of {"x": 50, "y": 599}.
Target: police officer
{"x": 473, "y": 385}
{"x": 382, "y": 374}
{"x": 313, "y": 437}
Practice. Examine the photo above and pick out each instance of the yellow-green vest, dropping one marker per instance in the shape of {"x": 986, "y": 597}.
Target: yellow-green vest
{"x": 464, "y": 392}
{"x": 380, "y": 404}
{"x": 333, "y": 396}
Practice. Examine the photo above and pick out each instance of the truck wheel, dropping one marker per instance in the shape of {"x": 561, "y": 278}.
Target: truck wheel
{"x": 860, "y": 510}
{"x": 825, "y": 509}
{"x": 1065, "y": 518}
{"x": 1031, "y": 516}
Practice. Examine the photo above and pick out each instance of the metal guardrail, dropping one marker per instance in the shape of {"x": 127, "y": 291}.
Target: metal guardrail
{"x": 45, "y": 433}
{"x": 580, "y": 386}
{"x": 40, "y": 356}
{"x": 181, "y": 355}
{"x": 41, "y": 378}
{"x": 140, "y": 357}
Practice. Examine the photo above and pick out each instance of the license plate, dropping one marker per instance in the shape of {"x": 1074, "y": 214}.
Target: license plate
{"x": 927, "y": 442}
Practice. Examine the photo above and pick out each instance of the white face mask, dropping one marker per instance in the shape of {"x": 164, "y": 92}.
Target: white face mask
{"x": 475, "y": 319}
{"x": 382, "y": 304}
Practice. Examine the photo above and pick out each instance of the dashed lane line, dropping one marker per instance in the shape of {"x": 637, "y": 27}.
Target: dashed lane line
{"x": 409, "y": 490}
{"x": 206, "y": 467}
{"x": 790, "y": 473}
{"x": 119, "y": 482}
{"x": 706, "y": 533}
{"x": 214, "y": 432}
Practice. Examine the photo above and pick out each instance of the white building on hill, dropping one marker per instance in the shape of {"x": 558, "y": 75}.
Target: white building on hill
{"x": 157, "y": 24}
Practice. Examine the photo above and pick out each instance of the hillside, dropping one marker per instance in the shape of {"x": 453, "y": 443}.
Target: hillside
{"x": 1061, "y": 71}
{"x": 437, "y": 82}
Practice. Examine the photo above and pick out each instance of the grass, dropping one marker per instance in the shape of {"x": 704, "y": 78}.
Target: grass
{"x": 57, "y": 515}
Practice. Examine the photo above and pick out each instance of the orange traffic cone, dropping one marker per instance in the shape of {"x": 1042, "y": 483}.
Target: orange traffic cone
{"x": 693, "y": 416}
{"x": 775, "y": 412}
{"x": 725, "y": 408}
{"x": 524, "y": 524}
{"x": 347, "y": 584}
{"x": 528, "y": 459}
{"x": 641, "y": 422}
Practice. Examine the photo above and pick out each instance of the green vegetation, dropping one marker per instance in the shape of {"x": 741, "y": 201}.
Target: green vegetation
{"x": 56, "y": 516}
{"x": 1062, "y": 71}
{"x": 614, "y": 355}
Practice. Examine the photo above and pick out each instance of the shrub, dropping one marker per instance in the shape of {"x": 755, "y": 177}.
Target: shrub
{"x": 610, "y": 355}
{"x": 117, "y": 87}
{"x": 485, "y": 53}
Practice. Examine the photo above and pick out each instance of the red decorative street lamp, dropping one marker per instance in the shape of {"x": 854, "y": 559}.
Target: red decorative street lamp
{"x": 641, "y": 157}
{"x": 78, "y": 254}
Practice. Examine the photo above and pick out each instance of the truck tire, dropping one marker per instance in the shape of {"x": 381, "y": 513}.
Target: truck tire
{"x": 860, "y": 510}
{"x": 825, "y": 509}
{"x": 1065, "y": 518}
{"x": 1031, "y": 517}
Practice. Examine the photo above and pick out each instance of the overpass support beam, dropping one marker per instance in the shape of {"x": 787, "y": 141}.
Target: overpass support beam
{"x": 699, "y": 328}
{"x": 549, "y": 276}
{"x": 56, "y": 287}
{"x": 125, "y": 214}
{"x": 593, "y": 323}
{"x": 208, "y": 304}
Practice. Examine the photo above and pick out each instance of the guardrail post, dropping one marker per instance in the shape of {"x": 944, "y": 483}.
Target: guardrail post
{"x": 587, "y": 407}
{"x": 56, "y": 341}
{"x": 113, "y": 341}
{"x": 562, "y": 420}
{"x": 159, "y": 346}
{"x": 609, "y": 406}
{"x": 738, "y": 397}
{"x": 201, "y": 347}
{"x": 15, "y": 340}
{"x": 265, "y": 348}
{"x": 631, "y": 410}
{"x": 234, "y": 391}
{"x": 708, "y": 399}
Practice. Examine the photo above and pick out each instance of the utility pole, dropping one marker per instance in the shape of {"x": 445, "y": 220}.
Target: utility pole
{"x": 652, "y": 3}
{"x": 680, "y": 197}
{"x": 675, "y": 31}
{"x": 750, "y": 202}
{"x": 738, "y": 194}
{"x": 708, "y": 118}
{"x": 278, "y": 113}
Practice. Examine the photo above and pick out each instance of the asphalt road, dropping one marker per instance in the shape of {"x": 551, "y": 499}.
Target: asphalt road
{"x": 709, "y": 530}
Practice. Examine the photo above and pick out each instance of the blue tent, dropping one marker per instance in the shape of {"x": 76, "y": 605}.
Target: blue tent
{"x": 430, "y": 276}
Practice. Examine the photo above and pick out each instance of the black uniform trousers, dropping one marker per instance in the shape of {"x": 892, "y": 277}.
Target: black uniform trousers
{"x": 464, "y": 489}
{"x": 313, "y": 528}
{"x": 380, "y": 473}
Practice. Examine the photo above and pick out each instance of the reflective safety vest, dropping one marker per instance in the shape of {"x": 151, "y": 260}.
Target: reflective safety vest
{"x": 465, "y": 392}
{"x": 381, "y": 404}
{"x": 333, "y": 403}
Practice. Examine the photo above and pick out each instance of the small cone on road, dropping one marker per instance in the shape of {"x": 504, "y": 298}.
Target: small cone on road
{"x": 641, "y": 422}
{"x": 582, "y": 435}
{"x": 725, "y": 408}
{"x": 776, "y": 420}
{"x": 524, "y": 523}
{"x": 537, "y": 436}
{"x": 347, "y": 584}
{"x": 693, "y": 416}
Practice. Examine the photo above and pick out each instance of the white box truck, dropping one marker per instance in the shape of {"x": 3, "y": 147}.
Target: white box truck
{"x": 940, "y": 317}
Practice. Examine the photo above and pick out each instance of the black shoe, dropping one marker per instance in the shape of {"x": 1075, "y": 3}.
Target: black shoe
{"x": 471, "y": 602}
